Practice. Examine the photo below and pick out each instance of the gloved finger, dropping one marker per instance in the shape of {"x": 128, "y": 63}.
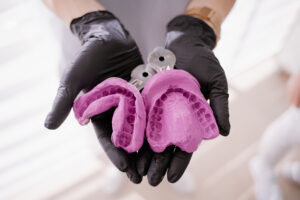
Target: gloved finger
{"x": 178, "y": 165}
{"x": 159, "y": 165}
{"x": 132, "y": 172}
{"x": 103, "y": 129}
{"x": 144, "y": 158}
{"x": 218, "y": 96}
{"x": 61, "y": 107}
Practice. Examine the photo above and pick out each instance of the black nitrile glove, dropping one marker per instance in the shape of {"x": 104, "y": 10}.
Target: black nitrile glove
{"x": 107, "y": 50}
{"x": 192, "y": 41}
{"x": 155, "y": 165}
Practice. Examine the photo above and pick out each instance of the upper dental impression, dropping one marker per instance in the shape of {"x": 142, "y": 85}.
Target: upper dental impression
{"x": 178, "y": 114}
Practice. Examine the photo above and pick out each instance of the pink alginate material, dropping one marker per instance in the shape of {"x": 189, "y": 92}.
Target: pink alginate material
{"x": 178, "y": 114}
{"x": 129, "y": 119}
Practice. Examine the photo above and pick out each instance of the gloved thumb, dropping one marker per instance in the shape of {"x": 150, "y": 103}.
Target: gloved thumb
{"x": 61, "y": 107}
{"x": 218, "y": 96}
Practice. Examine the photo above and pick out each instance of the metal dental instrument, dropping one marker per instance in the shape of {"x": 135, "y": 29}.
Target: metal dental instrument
{"x": 159, "y": 59}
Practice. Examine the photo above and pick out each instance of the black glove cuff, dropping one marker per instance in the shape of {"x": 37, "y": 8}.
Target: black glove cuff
{"x": 81, "y": 26}
{"x": 194, "y": 27}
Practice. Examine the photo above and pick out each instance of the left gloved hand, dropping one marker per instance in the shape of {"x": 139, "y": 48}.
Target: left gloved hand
{"x": 192, "y": 41}
{"x": 107, "y": 50}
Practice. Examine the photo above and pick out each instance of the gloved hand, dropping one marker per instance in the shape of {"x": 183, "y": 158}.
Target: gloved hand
{"x": 155, "y": 165}
{"x": 107, "y": 50}
{"x": 192, "y": 41}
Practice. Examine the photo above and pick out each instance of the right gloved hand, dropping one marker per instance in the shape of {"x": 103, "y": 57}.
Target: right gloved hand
{"x": 107, "y": 50}
{"x": 192, "y": 41}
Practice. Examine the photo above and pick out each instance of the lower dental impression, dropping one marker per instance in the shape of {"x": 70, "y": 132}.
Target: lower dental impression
{"x": 129, "y": 119}
{"x": 171, "y": 109}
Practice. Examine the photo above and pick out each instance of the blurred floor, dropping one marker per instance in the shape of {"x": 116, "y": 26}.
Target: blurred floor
{"x": 36, "y": 163}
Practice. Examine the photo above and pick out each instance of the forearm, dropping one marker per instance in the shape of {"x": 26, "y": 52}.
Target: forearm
{"x": 221, "y": 7}
{"x": 67, "y": 10}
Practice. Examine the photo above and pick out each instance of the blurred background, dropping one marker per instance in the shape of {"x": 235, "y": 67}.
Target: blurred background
{"x": 68, "y": 163}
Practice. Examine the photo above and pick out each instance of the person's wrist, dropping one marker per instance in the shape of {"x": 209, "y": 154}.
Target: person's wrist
{"x": 67, "y": 10}
{"x": 193, "y": 28}
{"x": 209, "y": 16}
{"x": 81, "y": 26}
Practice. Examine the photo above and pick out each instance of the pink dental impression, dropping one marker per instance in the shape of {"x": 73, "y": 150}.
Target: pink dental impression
{"x": 177, "y": 112}
{"x": 129, "y": 119}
